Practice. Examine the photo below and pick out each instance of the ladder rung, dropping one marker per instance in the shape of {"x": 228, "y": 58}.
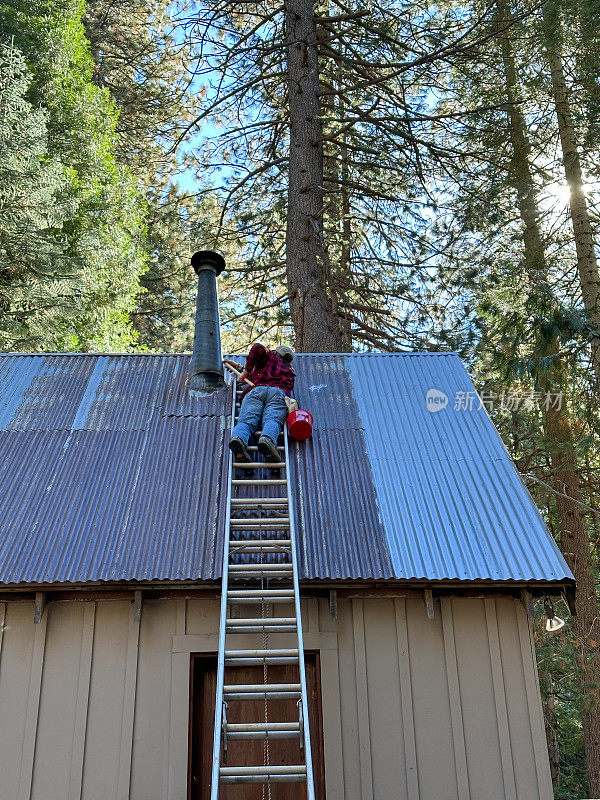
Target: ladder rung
{"x": 274, "y": 769}
{"x": 269, "y": 548}
{"x": 257, "y": 482}
{"x": 240, "y": 594}
{"x": 267, "y": 778}
{"x": 276, "y": 596}
{"x": 259, "y": 600}
{"x": 259, "y": 544}
{"x": 260, "y": 662}
{"x": 261, "y": 629}
{"x": 246, "y": 575}
{"x": 257, "y": 529}
{"x": 284, "y": 569}
{"x": 252, "y": 688}
{"x": 235, "y": 727}
{"x": 271, "y": 774}
{"x": 289, "y": 653}
{"x": 255, "y": 447}
{"x": 259, "y": 501}
{"x": 263, "y": 730}
{"x": 264, "y": 691}
{"x": 283, "y": 522}
{"x": 262, "y": 621}
{"x": 238, "y": 575}
{"x": 259, "y": 464}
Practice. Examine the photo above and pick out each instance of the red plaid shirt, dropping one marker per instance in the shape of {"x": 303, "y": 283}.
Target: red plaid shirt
{"x": 267, "y": 368}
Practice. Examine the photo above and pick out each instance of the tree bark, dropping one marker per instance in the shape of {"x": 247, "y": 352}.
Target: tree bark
{"x": 308, "y": 266}
{"x": 587, "y": 264}
{"x": 574, "y": 540}
{"x": 346, "y": 225}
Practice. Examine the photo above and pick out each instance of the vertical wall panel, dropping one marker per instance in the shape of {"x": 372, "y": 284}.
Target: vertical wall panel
{"x": 479, "y": 720}
{"x": 151, "y": 735}
{"x": 81, "y": 705}
{"x": 534, "y": 703}
{"x": 408, "y": 714}
{"x": 105, "y": 709}
{"x": 519, "y": 722}
{"x": 362, "y": 696}
{"x": 348, "y": 702}
{"x": 128, "y": 716}
{"x": 508, "y": 772}
{"x": 385, "y": 710}
{"x": 431, "y": 704}
{"x": 58, "y": 699}
{"x": 15, "y": 670}
{"x": 32, "y": 708}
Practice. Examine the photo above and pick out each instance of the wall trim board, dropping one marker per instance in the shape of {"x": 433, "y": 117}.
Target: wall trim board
{"x": 128, "y": 717}
{"x": 33, "y": 707}
{"x": 362, "y": 696}
{"x": 332, "y": 721}
{"x": 408, "y": 718}
{"x": 2, "y": 622}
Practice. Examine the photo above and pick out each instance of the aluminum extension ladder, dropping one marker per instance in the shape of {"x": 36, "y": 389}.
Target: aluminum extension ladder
{"x": 259, "y": 569}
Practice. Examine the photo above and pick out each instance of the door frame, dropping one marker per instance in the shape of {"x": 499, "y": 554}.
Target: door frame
{"x": 183, "y": 645}
{"x": 208, "y": 661}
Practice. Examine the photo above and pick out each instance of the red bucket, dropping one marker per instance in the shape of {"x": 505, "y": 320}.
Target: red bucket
{"x": 300, "y": 424}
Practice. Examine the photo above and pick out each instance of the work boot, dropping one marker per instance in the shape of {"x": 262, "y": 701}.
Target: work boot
{"x": 239, "y": 449}
{"x": 268, "y": 448}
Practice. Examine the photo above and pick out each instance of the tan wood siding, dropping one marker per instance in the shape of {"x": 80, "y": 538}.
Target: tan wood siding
{"x": 94, "y": 705}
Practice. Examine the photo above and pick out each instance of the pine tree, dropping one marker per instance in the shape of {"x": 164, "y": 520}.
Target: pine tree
{"x": 34, "y": 196}
{"x": 97, "y": 235}
{"x": 338, "y": 167}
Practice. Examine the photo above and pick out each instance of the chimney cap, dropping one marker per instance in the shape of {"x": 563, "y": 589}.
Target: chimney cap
{"x": 208, "y": 258}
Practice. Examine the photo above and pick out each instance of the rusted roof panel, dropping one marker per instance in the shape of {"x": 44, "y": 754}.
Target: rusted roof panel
{"x": 110, "y": 470}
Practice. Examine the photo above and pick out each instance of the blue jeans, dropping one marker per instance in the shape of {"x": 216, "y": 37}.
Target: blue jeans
{"x": 267, "y": 402}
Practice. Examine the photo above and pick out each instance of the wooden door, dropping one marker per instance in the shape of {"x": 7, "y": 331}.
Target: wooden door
{"x": 246, "y": 753}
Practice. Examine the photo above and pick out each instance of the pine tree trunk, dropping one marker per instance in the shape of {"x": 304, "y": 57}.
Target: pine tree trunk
{"x": 308, "y": 266}
{"x": 587, "y": 264}
{"x": 576, "y": 550}
{"x": 345, "y": 250}
{"x": 574, "y": 540}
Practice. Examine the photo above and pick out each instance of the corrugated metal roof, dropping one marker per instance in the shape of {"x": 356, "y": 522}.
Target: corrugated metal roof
{"x": 110, "y": 470}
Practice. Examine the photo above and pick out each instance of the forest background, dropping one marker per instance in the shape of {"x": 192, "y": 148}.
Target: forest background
{"x": 386, "y": 176}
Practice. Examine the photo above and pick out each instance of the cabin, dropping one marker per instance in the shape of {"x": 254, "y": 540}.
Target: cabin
{"x": 418, "y": 547}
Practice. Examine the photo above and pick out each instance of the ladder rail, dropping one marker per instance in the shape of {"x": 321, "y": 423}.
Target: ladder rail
{"x": 310, "y": 787}
{"x": 264, "y": 773}
{"x": 214, "y": 787}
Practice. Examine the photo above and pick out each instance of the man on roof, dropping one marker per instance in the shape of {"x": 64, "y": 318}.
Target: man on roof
{"x": 271, "y": 372}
